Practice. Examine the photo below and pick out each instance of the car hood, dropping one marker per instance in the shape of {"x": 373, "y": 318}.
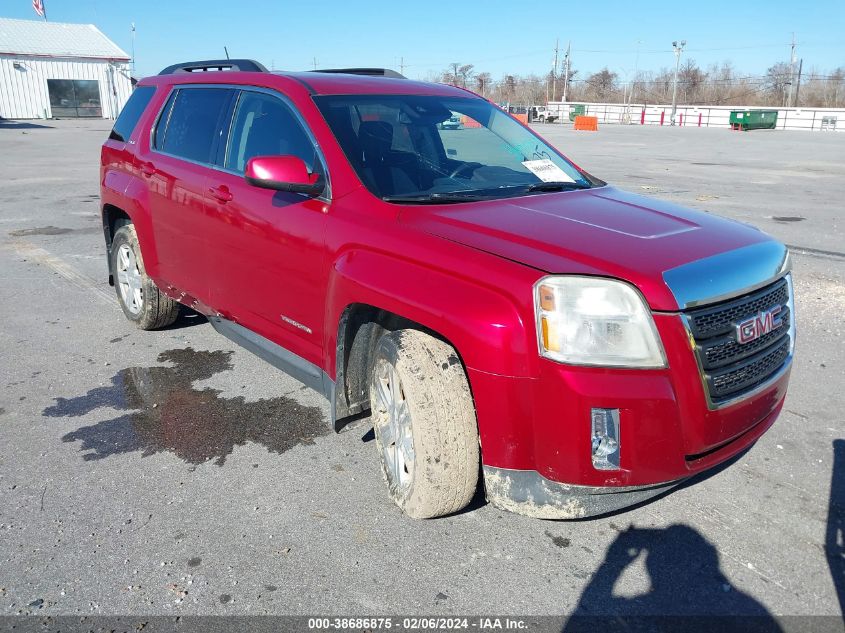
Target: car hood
{"x": 600, "y": 231}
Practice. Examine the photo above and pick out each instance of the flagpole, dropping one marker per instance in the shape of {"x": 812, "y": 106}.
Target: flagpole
{"x": 44, "y": 6}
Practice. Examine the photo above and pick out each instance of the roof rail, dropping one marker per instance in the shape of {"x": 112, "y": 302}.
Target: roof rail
{"x": 372, "y": 72}
{"x": 247, "y": 65}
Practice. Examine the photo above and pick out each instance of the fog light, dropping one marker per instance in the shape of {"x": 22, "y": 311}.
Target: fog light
{"x": 605, "y": 439}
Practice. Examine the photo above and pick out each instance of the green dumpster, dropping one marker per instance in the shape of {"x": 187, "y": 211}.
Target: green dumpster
{"x": 579, "y": 109}
{"x": 753, "y": 119}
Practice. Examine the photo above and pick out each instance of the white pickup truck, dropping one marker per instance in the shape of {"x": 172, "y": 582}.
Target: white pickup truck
{"x": 543, "y": 114}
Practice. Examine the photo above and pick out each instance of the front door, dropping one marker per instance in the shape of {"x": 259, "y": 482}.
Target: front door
{"x": 268, "y": 247}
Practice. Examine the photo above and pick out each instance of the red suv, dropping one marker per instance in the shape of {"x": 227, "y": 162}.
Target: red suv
{"x": 492, "y": 306}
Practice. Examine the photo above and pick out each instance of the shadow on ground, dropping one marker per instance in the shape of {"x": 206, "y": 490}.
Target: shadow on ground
{"x": 168, "y": 414}
{"x": 6, "y": 124}
{"x": 834, "y": 544}
{"x": 687, "y": 589}
{"x": 187, "y": 318}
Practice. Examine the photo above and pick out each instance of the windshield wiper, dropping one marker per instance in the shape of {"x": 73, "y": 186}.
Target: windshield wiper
{"x": 437, "y": 198}
{"x": 556, "y": 186}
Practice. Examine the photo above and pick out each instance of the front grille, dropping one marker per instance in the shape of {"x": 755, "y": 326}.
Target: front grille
{"x": 726, "y": 350}
{"x": 732, "y": 380}
{"x": 732, "y": 368}
{"x": 714, "y": 320}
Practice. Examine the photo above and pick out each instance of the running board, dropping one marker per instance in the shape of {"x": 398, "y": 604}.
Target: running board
{"x": 295, "y": 366}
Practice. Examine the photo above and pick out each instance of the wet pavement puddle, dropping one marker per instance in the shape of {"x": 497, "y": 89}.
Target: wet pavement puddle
{"x": 166, "y": 413}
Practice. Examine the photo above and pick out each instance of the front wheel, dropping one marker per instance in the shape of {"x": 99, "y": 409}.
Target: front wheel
{"x": 424, "y": 424}
{"x": 142, "y": 302}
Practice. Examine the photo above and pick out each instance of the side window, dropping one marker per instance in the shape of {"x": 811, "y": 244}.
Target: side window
{"x": 265, "y": 126}
{"x": 131, "y": 113}
{"x": 193, "y": 123}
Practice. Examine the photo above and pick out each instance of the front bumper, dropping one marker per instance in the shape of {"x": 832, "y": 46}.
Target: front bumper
{"x": 528, "y": 492}
{"x": 535, "y": 432}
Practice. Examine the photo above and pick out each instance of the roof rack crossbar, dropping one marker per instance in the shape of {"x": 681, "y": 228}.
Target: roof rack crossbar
{"x": 247, "y": 65}
{"x": 373, "y": 72}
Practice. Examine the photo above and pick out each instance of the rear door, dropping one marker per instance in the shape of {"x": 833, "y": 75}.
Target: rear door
{"x": 268, "y": 247}
{"x": 184, "y": 142}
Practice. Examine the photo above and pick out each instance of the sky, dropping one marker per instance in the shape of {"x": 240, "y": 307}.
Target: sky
{"x": 496, "y": 36}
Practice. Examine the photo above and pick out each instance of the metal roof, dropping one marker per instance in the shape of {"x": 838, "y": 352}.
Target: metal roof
{"x": 56, "y": 39}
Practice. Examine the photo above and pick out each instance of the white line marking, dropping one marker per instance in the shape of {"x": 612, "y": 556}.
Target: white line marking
{"x": 69, "y": 273}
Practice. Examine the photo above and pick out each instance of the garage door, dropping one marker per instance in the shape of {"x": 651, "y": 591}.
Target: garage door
{"x": 71, "y": 98}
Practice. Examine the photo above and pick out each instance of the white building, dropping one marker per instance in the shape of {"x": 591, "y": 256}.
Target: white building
{"x": 54, "y": 70}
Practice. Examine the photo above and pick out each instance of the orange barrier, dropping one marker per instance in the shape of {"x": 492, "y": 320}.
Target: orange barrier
{"x": 587, "y": 123}
{"x": 521, "y": 117}
{"x": 469, "y": 121}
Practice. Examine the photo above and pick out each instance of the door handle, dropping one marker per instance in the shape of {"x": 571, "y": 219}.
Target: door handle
{"x": 148, "y": 169}
{"x": 221, "y": 193}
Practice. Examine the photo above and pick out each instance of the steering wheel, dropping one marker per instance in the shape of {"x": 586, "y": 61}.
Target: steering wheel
{"x": 463, "y": 167}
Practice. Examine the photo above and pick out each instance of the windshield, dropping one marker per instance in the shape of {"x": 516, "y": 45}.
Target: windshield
{"x": 429, "y": 148}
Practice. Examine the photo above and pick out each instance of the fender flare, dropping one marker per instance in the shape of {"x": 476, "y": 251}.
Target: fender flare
{"x": 484, "y": 324}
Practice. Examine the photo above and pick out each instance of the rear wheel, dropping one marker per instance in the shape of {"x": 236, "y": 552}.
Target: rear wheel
{"x": 142, "y": 302}
{"x": 424, "y": 424}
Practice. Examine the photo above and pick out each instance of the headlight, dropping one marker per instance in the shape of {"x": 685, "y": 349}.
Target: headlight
{"x": 595, "y": 321}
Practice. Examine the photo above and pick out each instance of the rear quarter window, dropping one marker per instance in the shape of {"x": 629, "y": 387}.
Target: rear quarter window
{"x": 131, "y": 113}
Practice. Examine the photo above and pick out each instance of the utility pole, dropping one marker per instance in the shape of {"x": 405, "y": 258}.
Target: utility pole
{"x": 554, "y": 74}
{"x": 678, "y": 48}
{"x": 798, "y": 83}
{"x": 315, "y": 63}
{"x": 401, "y": 65}
{"x": 791, "y": 73}
{"x": 566, "y": 69}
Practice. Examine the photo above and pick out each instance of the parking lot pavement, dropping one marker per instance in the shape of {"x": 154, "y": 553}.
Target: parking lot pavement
{"x": 171, "y": 473}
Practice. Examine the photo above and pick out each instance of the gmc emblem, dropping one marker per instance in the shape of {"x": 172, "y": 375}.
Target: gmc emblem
{"x": 754, "y": 327}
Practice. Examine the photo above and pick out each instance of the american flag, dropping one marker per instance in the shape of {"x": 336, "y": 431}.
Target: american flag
{"x": 38, "y": 5}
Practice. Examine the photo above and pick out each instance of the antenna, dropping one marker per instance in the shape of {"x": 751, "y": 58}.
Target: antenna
{"x": 226, "y": 50}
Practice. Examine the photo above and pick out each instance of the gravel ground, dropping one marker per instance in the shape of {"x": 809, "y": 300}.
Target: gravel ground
{"x": 171, "y": 473}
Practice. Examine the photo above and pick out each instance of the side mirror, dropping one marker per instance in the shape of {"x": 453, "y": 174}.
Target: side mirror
{"x": 283, "y": 173}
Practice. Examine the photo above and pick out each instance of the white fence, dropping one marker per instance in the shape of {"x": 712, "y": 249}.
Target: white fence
{"x": 809, "y": 119}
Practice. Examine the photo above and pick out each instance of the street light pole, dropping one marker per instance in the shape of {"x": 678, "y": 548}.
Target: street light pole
{"x": 678, "y": 50}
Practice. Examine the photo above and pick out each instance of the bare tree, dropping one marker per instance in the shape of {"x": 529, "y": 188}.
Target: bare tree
{"x": 601, "y": 85}
{"x": 482, "y": 83}
{"x": 777, "y": 81}
{"x": 465, "y": 72}
{"x": 691, "y": 79}
{"x": 457, "y": 74}
{"x": 719, "y": 84}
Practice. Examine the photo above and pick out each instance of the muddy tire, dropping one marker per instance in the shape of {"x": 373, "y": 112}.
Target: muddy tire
{"x": 142, "y": 303}
{"x": 424, "y": 423}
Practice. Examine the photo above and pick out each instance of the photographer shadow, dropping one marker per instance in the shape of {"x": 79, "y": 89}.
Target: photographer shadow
{"x": 688, "y": 590}
{"x": 834, "y": 544}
